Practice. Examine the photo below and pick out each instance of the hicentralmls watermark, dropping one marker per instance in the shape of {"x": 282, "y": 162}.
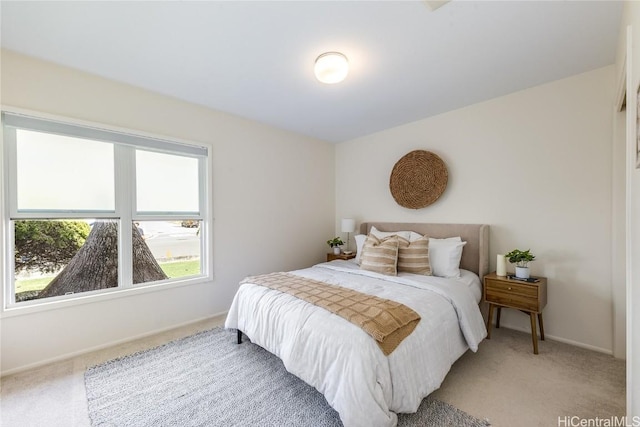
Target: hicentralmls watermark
{"x": 575, "y": 421}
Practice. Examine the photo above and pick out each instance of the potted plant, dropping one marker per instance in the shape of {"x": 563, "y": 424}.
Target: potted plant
{"x": 521, "y": 259}
{"x": 335, "y": 243}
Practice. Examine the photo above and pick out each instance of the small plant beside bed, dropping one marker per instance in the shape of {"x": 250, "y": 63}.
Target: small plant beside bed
{"x": 521, "y": 259}
{"x": 335, "y": 244}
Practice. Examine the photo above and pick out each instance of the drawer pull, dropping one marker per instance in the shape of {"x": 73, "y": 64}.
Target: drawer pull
{"x": 509, "y": 288}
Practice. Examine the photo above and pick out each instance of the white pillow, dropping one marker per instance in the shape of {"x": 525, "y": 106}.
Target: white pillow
{"x": 360, "y": 238}
{"x": 445, "y": 255}
{"x": 413, "y": 236}
{"x": 384, "y": 234}
{"x": 450, "y": 239}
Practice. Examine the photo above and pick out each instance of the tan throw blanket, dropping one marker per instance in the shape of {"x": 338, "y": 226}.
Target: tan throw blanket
{"x": 388, "y": 322}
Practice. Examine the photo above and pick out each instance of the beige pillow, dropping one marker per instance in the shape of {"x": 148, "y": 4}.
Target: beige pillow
{"x": 413, "y": 257}
{"x": 380, "y": 255}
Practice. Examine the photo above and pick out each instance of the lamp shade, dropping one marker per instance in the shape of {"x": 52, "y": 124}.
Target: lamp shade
{"x": 348, "y": 225}
{"x": 331, "y": 67}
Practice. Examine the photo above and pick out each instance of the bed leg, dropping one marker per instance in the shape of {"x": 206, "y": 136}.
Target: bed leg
{"x": 239, "y": 336}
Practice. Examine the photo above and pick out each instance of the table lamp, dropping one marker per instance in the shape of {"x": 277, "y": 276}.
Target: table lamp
{"x": 348, "y": 226}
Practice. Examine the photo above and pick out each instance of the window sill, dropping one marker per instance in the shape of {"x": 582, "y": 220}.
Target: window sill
{"x": 99, "y": 296}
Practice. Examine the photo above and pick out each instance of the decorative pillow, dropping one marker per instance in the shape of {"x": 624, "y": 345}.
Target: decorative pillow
{"x": 382, "y": 234}
{"x": 445, "y": 255}
{"x": 380, "y": 256}
{"x": 413, "y": 257}
{"x": 360, "y": 238}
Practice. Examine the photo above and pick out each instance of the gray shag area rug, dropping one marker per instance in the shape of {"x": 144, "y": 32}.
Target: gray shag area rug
{"x": 208, "y": 380}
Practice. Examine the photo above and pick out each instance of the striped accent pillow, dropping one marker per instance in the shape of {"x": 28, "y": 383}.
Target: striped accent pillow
{"x": 413, "y": 257}
{"x": 380, "y": 255}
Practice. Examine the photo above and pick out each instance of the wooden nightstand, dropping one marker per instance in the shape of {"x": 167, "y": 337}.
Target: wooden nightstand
{"x": 331, "y": 256}
{"x": 528, "y": 297}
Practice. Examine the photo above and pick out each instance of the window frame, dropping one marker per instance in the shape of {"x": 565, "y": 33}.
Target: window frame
{"x": 125, "y": 143}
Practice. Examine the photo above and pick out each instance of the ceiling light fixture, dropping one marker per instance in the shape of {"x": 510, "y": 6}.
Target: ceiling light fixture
{"x": 331, "y": 67}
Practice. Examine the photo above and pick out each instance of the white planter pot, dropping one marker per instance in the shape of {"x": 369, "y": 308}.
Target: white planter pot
{"x": 522, "y": 272}
{"x": 336, "y": 250}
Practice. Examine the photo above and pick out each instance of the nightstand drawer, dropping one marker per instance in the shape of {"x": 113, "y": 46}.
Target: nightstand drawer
{"x": 529, "y": 297}
{"x": 515, "y": 288}
{"x": 511, "y": 299}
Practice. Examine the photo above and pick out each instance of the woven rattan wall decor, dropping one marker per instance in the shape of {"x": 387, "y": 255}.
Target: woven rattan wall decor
{"x": 418, "y": 179}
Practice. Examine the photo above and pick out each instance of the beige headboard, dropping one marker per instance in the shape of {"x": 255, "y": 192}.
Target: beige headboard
{"x": 475, "y": 255}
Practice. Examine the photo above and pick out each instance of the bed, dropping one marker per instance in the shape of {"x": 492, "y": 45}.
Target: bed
{"x": 342, "y": 361}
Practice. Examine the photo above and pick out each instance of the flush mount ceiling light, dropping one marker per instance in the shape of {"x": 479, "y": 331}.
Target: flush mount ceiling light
{"x": 331, "y": 67}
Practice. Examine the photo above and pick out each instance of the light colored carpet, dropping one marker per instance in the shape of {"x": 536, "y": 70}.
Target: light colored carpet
{"x": 503, "y": 381}
{"x": 208, "y": 380}
{"x": 534, "y": 390}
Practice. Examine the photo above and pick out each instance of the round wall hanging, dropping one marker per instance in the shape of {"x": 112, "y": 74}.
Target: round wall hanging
{"x": 418, "y": 179}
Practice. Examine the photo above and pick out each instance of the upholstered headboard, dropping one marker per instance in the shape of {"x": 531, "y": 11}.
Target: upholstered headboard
{"x": 475, "y": 255}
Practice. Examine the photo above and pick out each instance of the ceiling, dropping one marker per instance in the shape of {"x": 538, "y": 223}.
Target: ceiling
{"x": 255, "y": 59}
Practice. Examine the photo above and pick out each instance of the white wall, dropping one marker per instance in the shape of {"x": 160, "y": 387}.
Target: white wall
{"x": 273, "y": 205}
{"x": 537, "y": 166}
{"x": 629, "y": 57}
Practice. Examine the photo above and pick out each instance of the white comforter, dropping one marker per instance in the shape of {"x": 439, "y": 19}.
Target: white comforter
{"x": 342, "y": 361}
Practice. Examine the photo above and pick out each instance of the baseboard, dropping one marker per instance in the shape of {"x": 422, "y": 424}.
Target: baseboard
{"x": 562, "y": 340}
{"x": 105, "y": 345}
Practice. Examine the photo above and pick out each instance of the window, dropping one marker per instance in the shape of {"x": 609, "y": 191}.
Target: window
{"x": 90, "y": 210}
